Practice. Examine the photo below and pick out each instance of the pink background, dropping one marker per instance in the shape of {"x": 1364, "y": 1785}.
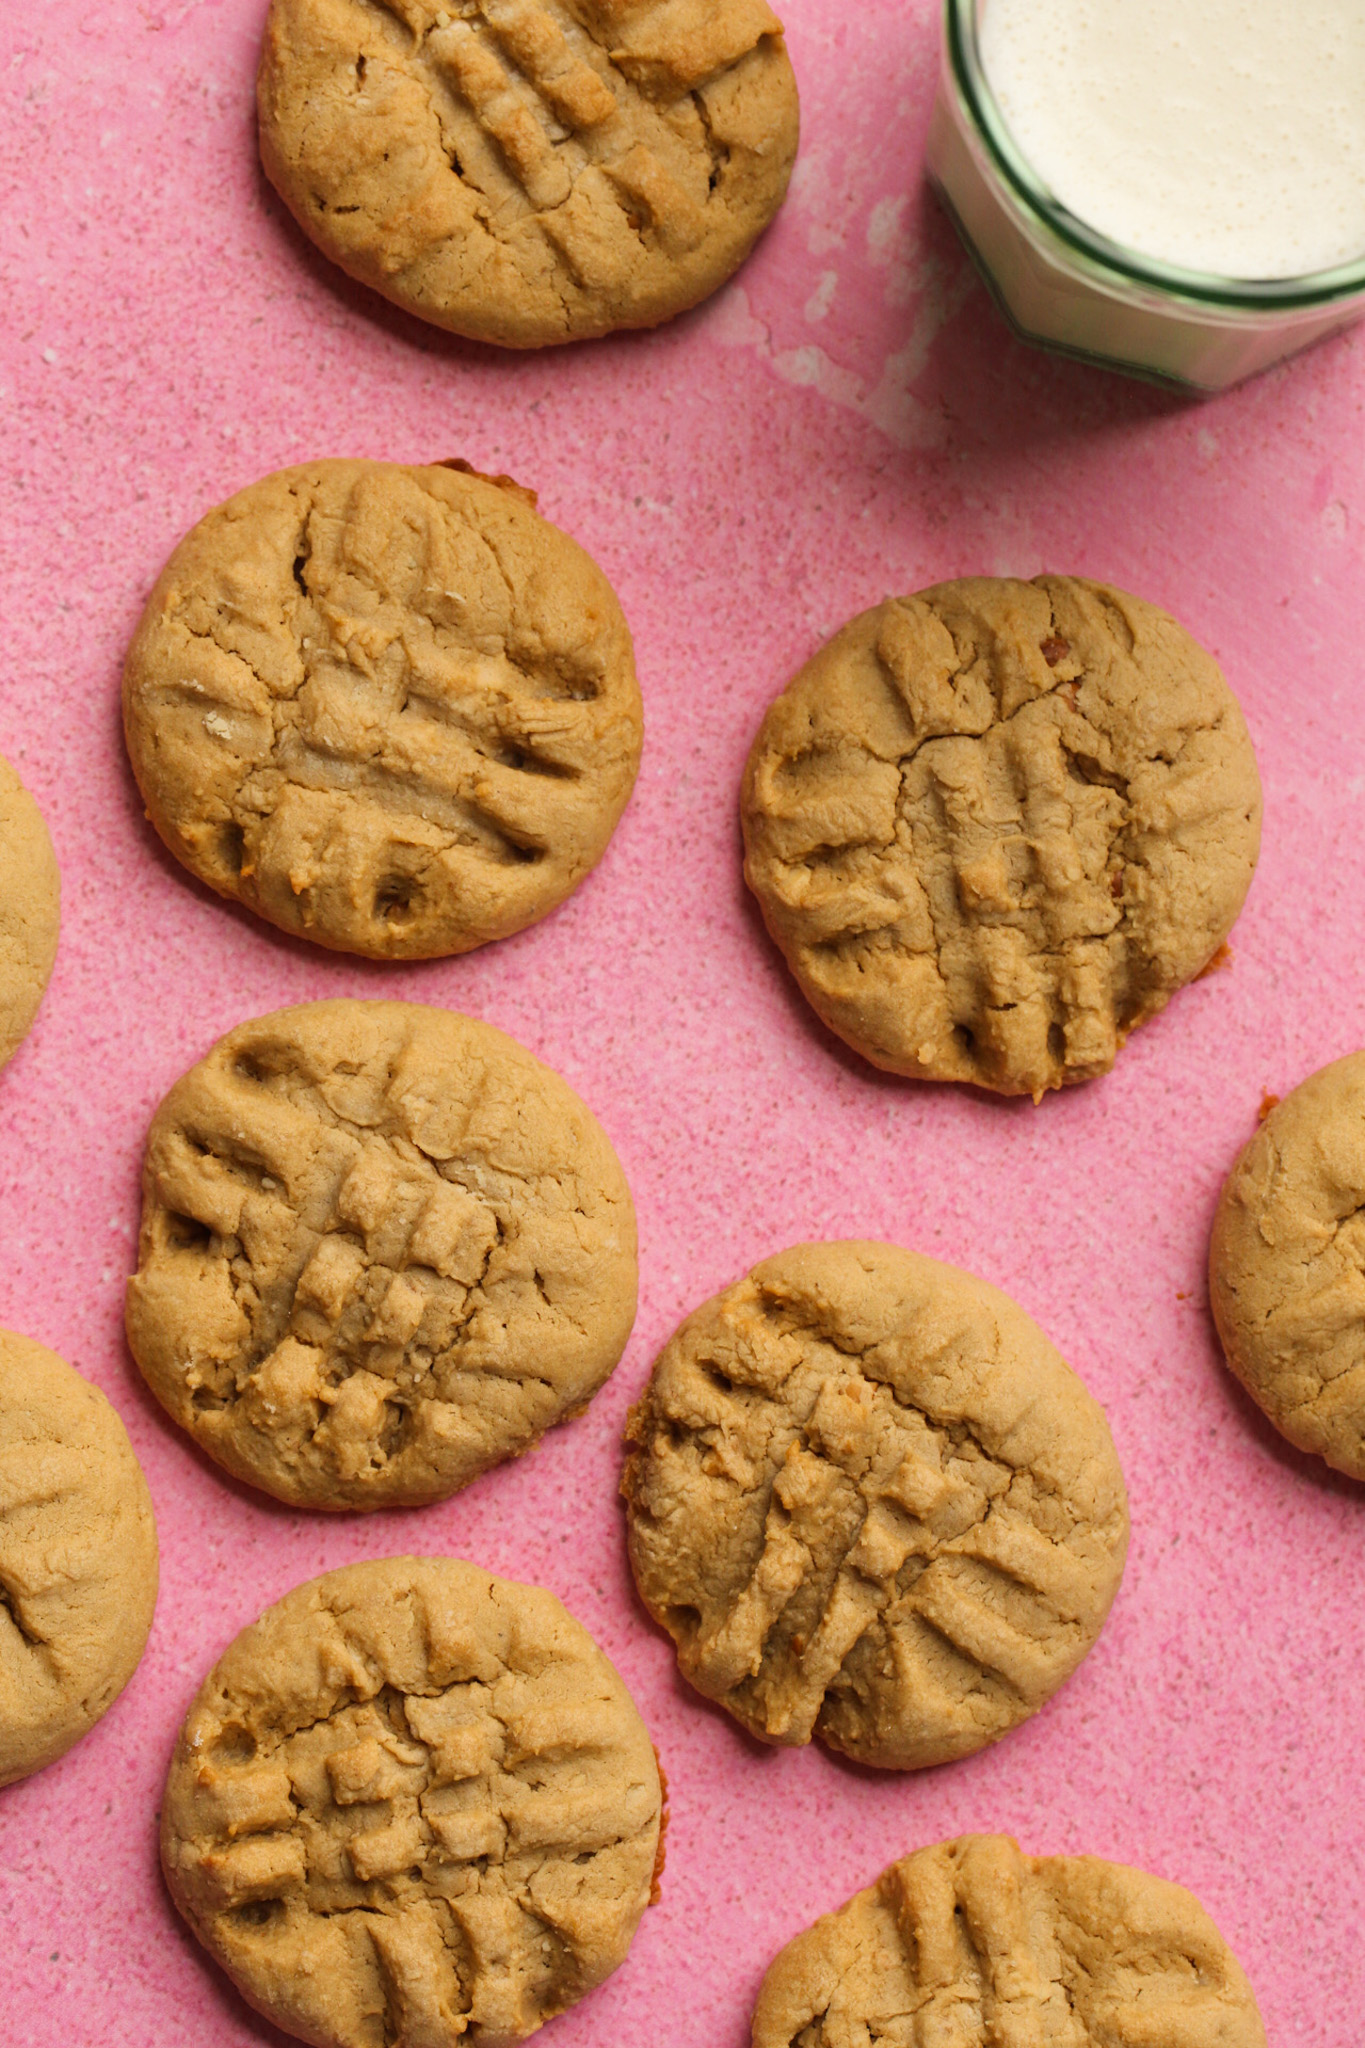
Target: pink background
{"x": 848, "y": 419}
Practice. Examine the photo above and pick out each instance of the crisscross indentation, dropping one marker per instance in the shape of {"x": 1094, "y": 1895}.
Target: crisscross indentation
{"x": 349, "y": 1238}
{"x": 459, "y": 1798}
{"x": 899, "y": 1542}
{"x": 600, "y": 166}
{"x": 389, "y": 708}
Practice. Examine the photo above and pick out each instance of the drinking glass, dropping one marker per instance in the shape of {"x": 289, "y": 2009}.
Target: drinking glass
{"x": 1061, "y": 283}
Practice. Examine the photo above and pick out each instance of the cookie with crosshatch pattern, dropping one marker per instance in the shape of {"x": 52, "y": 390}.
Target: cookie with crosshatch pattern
{"x": 530, "y": 171}
{"x": 413, "y": 1804}
{"x": 970, "y": 1944}
{"x": 871, "y": 1503}
{"x": 993, "y": 827}
{"x": 383, "y": 1248}
{"x": 1287, "y": 1265}
{"x": 30, "y": 899}
{"x": 388, "y": 708}
{"x": 78, "y": 1557}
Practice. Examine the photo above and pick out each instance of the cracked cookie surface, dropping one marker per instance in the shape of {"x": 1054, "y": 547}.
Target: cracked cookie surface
{"x": 78, "y": 1559}
{"x": 413, "y": 1805}
{"x": 30, "y": 897}
{"x": 390, "y": 709}
{"x": 871, "y": 1503}
{"x": 530, "y": 171}
{"x": 970, "y": 1944}
{"x": 993, "y": 827}
{"x": 382, "y": 1248}
{"x": 1287, "y": 1266}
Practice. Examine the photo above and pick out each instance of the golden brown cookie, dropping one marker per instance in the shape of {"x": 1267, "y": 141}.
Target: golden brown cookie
{"x": 971, "y": 1945}
{"x": 78, "y": 1564}
{"x": 382, "y": 1249}
{"x": 30, "y": 898}
{"x": 993, "y": 827}
{"x": 530, "y": 171}
{"x": 1287, "y": 1266}
{"x": 393, "y": 710}
{"x": 413, "y": 1804}
{"x": 870, "y": 1502}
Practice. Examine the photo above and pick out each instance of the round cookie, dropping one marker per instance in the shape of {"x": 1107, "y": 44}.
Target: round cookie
{"x": 1287, "y": 1266}
{"x": 530, "y": 171}
{"x": 870, "y": 1502}
{"x": 382, "y": 1249}
{"x": 30, "y": 898}
{"x": 392, "y": 710}
{"x": 78, "y": 1562}
{"x": 414, "y": 1804}
{"x": 970, "y": 1944}
{"x": 994, "y": 826}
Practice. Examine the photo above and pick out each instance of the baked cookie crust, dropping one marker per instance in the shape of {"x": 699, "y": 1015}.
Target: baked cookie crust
{"x": 30, "y": 904}
{"x": 413, "y": 1804}
{"x": 1287, "y": 1266}
{"x": 78, "y": 1557}
{"x": 382, "y": 1248}
{"x": 993, "y": 827}
{"x": 389, "y": 709}
{"x": 871, "y": 1503}
{"x": 973, "y": 1944}
{"x": 530, "y": 171}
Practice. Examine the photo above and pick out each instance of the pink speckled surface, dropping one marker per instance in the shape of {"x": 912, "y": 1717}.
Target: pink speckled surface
{"x": 848, "y": 419}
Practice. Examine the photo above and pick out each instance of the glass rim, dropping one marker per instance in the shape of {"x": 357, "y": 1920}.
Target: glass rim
{"x": 1246, "y": 294}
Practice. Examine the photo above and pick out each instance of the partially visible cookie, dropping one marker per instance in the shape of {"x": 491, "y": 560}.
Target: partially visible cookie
{"x": 1287, "y": 1266}
{"x": 995, "y": 826}
{"x": 78, "y": 1562}
{"x": 30, "y": 897}
{"x": 413, "y": 1804}
{"x": 390, "y": 709}
{"x": 383, "y": 1248}
{"x": 971, "y": 1945}
{"x": 530, "y": 171}
{"x": 871, "y": 1503}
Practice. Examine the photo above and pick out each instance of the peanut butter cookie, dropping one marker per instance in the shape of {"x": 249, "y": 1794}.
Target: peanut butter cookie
{"x": 413, "y": 1804}
{"x": 383, "y": 1248}
{"x": 995, "y": 826}
{"x": 530, "y": 171}
{"x": 30, "y": 896}
{"x": 971, "y": 1945}
{"x": 393, "y": 710}
{"x": 1287, "y": 1266}
{"x": 78, "y": 1564}
{"x": 870, "y": 1502}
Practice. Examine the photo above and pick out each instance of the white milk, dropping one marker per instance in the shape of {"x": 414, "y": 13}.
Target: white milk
{"x": 1220, "y": 135}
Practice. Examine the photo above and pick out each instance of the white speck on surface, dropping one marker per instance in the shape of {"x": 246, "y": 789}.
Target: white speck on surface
{"x": 889, "y": 404}
{"x": 884, "y": 228}
{"x": 732, "y": 324}
{"x": 215, "y": 723}
{"x": 822, "y": 298}
{"x": 49, "y": 355}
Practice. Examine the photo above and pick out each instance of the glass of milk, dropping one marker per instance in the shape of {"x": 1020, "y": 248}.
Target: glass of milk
{"x": 1170, "y": 187}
